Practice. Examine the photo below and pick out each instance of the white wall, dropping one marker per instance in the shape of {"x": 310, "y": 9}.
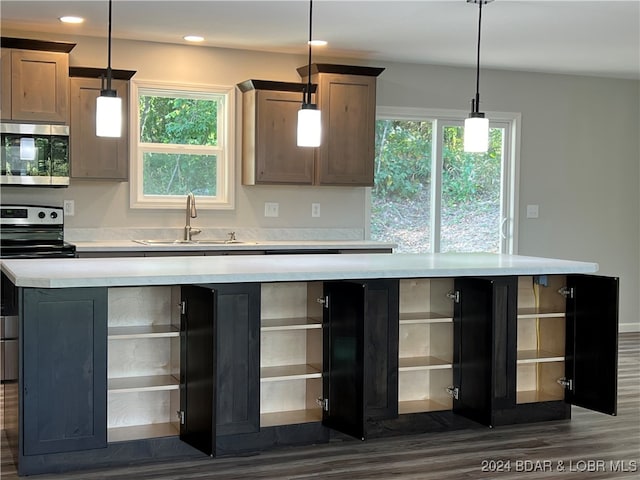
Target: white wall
{"x": 580, "y": 154}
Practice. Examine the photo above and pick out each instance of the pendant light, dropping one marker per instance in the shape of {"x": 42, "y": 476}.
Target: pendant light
{"x": 309, "y": 126}
{"x": 476, "y": 127}
{"x": 108, "y": 104}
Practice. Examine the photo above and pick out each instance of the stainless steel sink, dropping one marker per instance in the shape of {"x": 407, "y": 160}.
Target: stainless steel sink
{"x": 219, "y": 242}
{"x": 190, "y": 242}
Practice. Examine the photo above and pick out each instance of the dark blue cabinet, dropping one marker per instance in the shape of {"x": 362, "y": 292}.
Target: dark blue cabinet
{"x": 488, "y": 357}
{"x": 360, "y": 372}
{"x": 220, "y": 366}
{"x": 63, "y": 378}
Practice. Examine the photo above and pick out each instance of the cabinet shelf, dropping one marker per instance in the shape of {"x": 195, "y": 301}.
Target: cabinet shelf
{"x": 423, "y": 363}
{"x": 419, "y": 406}
{"x": 290, "y": 417}
{"x": 137, "y": 432}
{"x": 143, "y": 331}
{"x": 424, "y": 317}
{"x": 297, "y": 323}
{"x": 535, "y": 396}
{"x": 536, "y": 356}
{"x": 289, "y": 372}
{"x": 142, "y": 384}
{"x": 540, "y": 313}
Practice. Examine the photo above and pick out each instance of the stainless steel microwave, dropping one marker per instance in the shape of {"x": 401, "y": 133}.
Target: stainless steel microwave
{"x": 34, "y": 154}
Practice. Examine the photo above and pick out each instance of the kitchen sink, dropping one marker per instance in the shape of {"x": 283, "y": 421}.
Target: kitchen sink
{"x": 191, "y": 242}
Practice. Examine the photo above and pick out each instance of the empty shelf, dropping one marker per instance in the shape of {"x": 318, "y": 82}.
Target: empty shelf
{"x": 290, "y": 417}
{"x": 537, "y": 356}
{"x": 289, "y": 372}
{"x": 299, "y": 323}
{"x": 423, "y": 363}
{"x": 143, "y": 331}
{"x": 142, "y": 384}
{"x": 424, "y": 317}
{"x": 418, "y": 406}
{"x": 154, "y": 430}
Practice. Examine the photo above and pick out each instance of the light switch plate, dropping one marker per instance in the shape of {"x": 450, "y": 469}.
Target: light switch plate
{"x": 532, "y": 211}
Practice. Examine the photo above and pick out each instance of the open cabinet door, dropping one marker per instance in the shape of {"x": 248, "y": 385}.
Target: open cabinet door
{"x": 592, "y": 342}
{"x": 198, "y": 369}
{"x": 484, "y": 360}
{"x": 343, "y": 379}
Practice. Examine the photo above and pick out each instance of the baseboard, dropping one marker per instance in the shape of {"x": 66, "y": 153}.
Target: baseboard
{"x": 628, "y": 327}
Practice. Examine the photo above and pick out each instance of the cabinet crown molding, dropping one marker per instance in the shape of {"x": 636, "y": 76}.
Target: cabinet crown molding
{"x": 274, "y": 85}
{"x": 91, "y": 72}
{"x": 342, "y": 69}
{"x": 31, "y": 44}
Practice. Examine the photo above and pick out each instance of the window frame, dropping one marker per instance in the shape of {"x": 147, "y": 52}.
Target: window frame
{"x": 224, "y": 151}
{"x": 510, "y": 121}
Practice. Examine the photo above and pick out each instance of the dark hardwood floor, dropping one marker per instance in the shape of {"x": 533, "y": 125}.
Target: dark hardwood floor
{"x": 590, "y": 446}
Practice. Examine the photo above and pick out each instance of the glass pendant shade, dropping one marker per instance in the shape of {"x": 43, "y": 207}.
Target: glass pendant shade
{"x": 108, "y": 116}
{"x": 309, "y": 126}
{"x": 476, "y": 134}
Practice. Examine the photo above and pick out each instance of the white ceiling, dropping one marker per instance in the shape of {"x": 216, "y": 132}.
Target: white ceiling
{"x": 578, "y": 37}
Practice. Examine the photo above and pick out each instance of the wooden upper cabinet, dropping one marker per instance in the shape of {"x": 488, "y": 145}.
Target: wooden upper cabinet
{"x": 270, "y": 154}
{"x": 347, "y": 101}
{"x": 5, "y": 78}
{"x": 94, "y": 157}
{"x": 39, "y": 86}
{"x": 35, "y": 80}
{"x": 346, "y": 97}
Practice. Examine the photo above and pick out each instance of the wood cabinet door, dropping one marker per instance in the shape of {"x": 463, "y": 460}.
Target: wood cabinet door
{"x": 381, "y": 331}
{"x": 278, "y": 159}
{"x": 198, "y": 368}
{"x": 346, "y": 154}
{"x": 343, "y": 359}
{"x": 484, "y": 347}
{"x": 5, "y": 85}
{"x": 64, "y": 375}
{"x": 96, "y": 157}
{"x": 40, "y": 86}
{"x": 592, "y": 342}
{"x": 238, "y": 359}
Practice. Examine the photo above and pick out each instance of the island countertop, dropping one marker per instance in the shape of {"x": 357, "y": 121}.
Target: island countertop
{"x": 116, "y": 272}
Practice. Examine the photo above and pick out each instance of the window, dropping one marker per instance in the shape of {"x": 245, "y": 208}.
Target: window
{"x": 431, "y": 196}
{"x": 182, "y": 143}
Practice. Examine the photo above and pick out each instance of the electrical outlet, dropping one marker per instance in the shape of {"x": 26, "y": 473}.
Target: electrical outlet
{"x": 315, "y": 209}
{"x": 271, "y": 209}
{"x": 69, "y": 207}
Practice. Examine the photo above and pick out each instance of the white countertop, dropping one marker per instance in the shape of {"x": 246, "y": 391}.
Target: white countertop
{"x": 115, "y": 246}
{"x": 115, "y": 272}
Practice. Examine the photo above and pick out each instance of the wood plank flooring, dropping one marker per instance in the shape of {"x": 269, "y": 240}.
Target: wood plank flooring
{"x": 590, "y": 446}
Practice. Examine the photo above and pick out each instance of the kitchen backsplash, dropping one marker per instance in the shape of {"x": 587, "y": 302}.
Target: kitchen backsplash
{"x": 242, "y": 234}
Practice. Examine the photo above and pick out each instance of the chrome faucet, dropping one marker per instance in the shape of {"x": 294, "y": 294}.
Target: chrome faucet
{"x": 191, "y": 213}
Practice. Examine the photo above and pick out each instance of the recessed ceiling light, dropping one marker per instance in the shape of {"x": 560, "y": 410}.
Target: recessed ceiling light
{"x": 193, "y": 38}
{"x": 318, "y": 43}
{"x": 71, "y": 19}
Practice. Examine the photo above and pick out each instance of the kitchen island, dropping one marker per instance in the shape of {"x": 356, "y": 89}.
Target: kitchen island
{"x": 169, "y": 357}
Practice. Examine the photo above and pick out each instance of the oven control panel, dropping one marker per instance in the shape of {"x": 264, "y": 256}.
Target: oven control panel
{"x": 31, "y": 215}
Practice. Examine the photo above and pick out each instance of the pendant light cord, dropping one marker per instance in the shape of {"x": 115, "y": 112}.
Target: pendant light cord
{"x": 308, "y": 98}
{"x": 109, "y": 52}
{"x": 476, "y": 106}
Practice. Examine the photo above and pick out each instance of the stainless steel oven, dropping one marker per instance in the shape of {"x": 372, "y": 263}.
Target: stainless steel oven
{"x": 26, "y": 231}
{"x": 36, "y": 155}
